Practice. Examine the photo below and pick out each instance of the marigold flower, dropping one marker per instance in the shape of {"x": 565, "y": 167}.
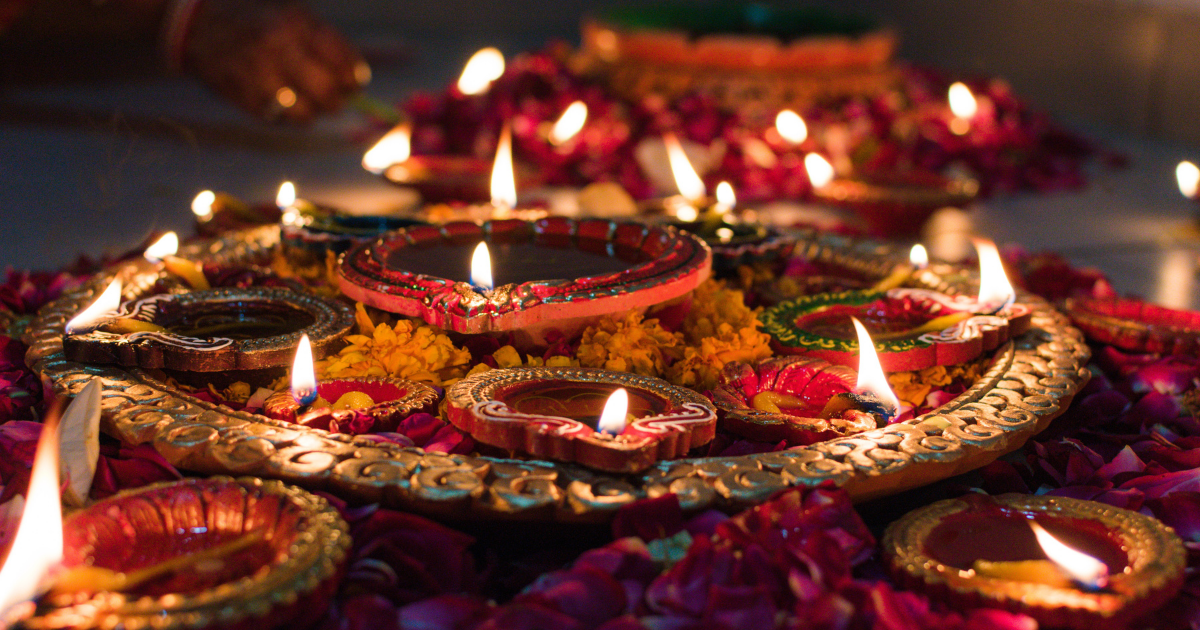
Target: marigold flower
{"x": 702, "y": 363}
{"x": 409, "y": 350}
{"x": 714, "y": 305}
{"x": 630, "y": 344}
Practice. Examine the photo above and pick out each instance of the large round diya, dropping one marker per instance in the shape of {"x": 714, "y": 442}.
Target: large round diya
{"x": 1027, "y": 382}
{"x": 266, "y": 555}
{"x": 453, "y": 177}
{"x": 913, "y": 329}
{"x": 213, "y": 331}
{"x": 555, "y": 273}
{"x": 553, "y": 413}
{"x": 1137, "y": 326}
{"x": 957, "y": 549}
{"x": 393, "y": 400}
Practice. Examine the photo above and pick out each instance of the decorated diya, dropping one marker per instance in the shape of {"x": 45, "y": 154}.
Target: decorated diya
{"x": 310, "y": 232}
{"x": 556, "y": 413}
{"x": 1099, "y": 567}
{"x": 210, "y": 331}
{"x": 198, "y": 553}
{"x": 1137, "y": 326}
{"x": 556, "y": 273}
{"x": 912, "y": 328}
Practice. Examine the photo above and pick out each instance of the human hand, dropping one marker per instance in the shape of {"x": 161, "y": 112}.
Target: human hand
{"x": 272, "y": 58}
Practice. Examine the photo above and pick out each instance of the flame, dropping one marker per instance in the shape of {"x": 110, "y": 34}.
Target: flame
{"x": 726, "y": 200}
{"x": 203, "y": 203}
{"x": 286, "y": 198}
{"x": 482, "y": 68}
{"x": 687, "y": 213}
{"x": 481, "y": 267}
{"x": 103, "y": 308}
{"x": 504, "y": 183}
{"x": 1081, "y": 567}
{"x": 871, "y": 379}
{"x": 612, "y": 419}
{"x": 686, "y": 179}
{"x": 962, "y": 102}
{"x": 570, "y": 123}
{"x": 1188, "y": 177}
{"x": 995, "y": 291}
{"x": 37, "y": 547}
{"x": 791, "y": 126}
{"x": 304, "y": 377}
{"x": 163, "y": 247}
{"x": 394, "y": 147}
{"x": 918, "y": 256}
{"x": 820, "y": 171}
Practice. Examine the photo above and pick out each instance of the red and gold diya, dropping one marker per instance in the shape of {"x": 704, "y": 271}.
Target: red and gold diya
{"x": 1136, "y": 326}
{"x": 199, "y": 553}
{"x": 555, "y": 273}
{"x": 210, "y": 331}
{"x": 391, "y": 400}
{"x": 987, "y": 551}
{"x": 555, "y": 413}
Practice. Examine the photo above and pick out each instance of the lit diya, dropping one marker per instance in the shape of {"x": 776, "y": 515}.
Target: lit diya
{"x": 205, "y": 331}
{"x": 572, "y": 415}
{"x": 347, "y": 405}
{"x": 895, "y": 203}
{"x": 1136, "y": 326}
{"x": 308, "y": 231}
{"x": 913, "y": 329}
{"x": 219, "y": 212}
{"x": 1065, "y": 562}
{"x": 803, "y": 399}
{"x": 556, "y": 273}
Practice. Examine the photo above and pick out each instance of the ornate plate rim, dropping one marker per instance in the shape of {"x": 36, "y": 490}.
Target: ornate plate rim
{"x": 1031, "y": 381}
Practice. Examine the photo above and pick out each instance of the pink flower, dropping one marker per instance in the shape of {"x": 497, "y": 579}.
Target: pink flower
{"x": 405, "y": 557}
{"x": 585, "y": 593}
{"x": 445, "y": 612}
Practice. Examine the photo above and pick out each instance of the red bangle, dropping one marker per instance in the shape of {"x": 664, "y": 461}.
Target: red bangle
{"x": 175, "y": 27}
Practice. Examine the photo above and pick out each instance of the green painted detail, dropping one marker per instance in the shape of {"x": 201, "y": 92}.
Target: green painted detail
{"x": 779, "y": 321}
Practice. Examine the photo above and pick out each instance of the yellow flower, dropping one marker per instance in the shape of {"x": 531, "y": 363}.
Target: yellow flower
{"x": 406, "y": 349}
{"x": 702, "y": 363}
{"x": 714, "y": 305}
{"x": 909, "y": 388}
{"x": 629, "y": 344}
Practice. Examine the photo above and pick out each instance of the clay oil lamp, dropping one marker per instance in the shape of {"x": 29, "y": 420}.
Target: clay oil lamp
{"x": 1135, "y": 325}
{"x": 216, "y": 213}
{"x": 804, "y": 399}
{"x": 347, "y": 405}
{"x": 612, "y": 421}
{"x": 555, "y": 273}
{"x": 915, "y": 328}
{"x": 1065, "y": 562}
{"x": 204, "y": 331}
{"x": 198, "y": 553}
{"x": 163, "y": 252}
{"x": 891, "y": 203}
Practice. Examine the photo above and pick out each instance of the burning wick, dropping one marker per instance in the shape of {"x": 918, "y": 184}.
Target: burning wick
{"x": 963, "y": 106}
{"x": 304, "y": 378}
{"x": 163, "y": 250}
{"x": 1187, "y": 175}
{"x": 504, "y": 181}
{"x": 689, "y": 184}
{"x": 918, "y": 256}
{"x": 482, "y": 68}
{"x": 103, "y": 308}
{"x": 726, "y": 199}
{"x": 1088, "y": 572}
{"x": 481, "y": 268}
{"x": 612, "y": 419}
{"x": 871, "y": 379}
{"x": 820, "y": 171}
{"x": 202, "y": 205}
{"x": 569, "y": 124}
{"x": 996, "y": 293}
{"x": 791, "y": 126}
{"x": 394, "y": 147}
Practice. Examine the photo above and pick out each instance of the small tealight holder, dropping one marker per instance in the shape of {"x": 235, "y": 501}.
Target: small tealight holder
{"x": 196, "y": 554}
{"x": 897, "y": 203}
{"x": 983, "y": 551}
{"x": 212, "y": 331}
{"x": 913, "y": 329}
{"x": 554, "y": 413}
{"x": 393, "y": 399}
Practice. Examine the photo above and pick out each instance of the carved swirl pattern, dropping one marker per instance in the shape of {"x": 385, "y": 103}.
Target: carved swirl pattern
{"x": 1031, "y": 381}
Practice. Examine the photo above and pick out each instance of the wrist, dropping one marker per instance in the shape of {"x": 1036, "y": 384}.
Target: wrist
{"x": 176, "y": 26}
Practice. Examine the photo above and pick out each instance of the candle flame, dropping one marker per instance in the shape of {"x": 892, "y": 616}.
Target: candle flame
{"x": 304, "y": 376}
{"x": 686, "y": 179}
{"x": 37, "y": 547}
{"x": 962, "y": 101}
{"x": 1187, "y": 175}
{"x": 203, "y": 203}
{"x": 612, "y": 419}
{"x": 481, "y": 267}
{"x": 918, "y": 256}
{"x": 504, "y": 184}
{"x": 286, "y": 197}
{"x": 163, "y": 247}
{"x": 995, "y": 291}
{"x": 871, "y": 379}
{"x": 570, "y": 123}
{"x": 394, "y": 147}
{"x": 104, "y": 307}
{"x": 726, "y": 200}
{"x": 1082, "y": 568}
{"x": 791, "y": 126}
{"x": 482, "y": 68}
{"x": 820, "y": 171}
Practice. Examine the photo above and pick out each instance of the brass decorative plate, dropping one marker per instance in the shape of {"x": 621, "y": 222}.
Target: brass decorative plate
{"x": 1030, "y": 381}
